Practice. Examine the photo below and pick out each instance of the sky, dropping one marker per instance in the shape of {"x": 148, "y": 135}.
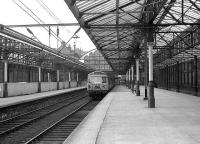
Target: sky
{"x": 12, "y": 14}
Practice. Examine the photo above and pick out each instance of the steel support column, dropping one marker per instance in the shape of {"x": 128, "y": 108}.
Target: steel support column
{"x": 39, "y": 79}
{"x": 127, "y": 79}
{"x": 187, "y": 74}
{"x": 48, "y": 77}
{"x": 77, "y": 79}
{"x": 181, "y": 75}
{"x": 151, "y": 99}
{"x": 170, "y": 67}
{"x": 145, "y": 68}
{"x": 174, "y": 74}
{"x": 196, "y": 75}
{"x": 132, "y": 73}
{"x": 69, "y": 79}
{"x": 167, "y": 77}
{"x": 58, "y": 79}
{"x": 177, "y": 77}
{"x": 137, "y": 78}
{"x": 5, "y": 84}
{"x": 130, "y": 78}
{"x": 129, "y": 82}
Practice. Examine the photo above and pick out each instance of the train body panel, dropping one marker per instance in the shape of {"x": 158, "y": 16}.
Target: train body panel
{"x": 98, "y": 84}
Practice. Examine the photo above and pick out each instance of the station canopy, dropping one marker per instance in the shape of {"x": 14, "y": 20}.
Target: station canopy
{"x": 119, "y": 29}
{"x": 20, "y": 49}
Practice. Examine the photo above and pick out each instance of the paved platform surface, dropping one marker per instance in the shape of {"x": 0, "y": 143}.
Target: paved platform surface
{"x": 5, "y": 102}
{"x": 126, "y": 119}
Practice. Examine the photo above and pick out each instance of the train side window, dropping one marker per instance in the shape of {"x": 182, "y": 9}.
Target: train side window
{"x": 104, "y": 79}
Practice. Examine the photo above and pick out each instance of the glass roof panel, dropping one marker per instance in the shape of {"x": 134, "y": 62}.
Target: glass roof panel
{"x": 120, "y": 24}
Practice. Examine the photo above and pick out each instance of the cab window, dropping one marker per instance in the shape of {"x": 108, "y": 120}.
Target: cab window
{"x": 97, "y": 79}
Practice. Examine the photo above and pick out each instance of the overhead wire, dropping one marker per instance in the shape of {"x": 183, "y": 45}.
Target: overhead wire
{"x": 25, "y": 11}
{"x": 49, "y": 11}
{"x": 71, "y": 37}
{"x": 38, "y": 20}
{"x": 30, "y": 16}
{"x": 53, "y": 33}
{"x": 46, "y": 8}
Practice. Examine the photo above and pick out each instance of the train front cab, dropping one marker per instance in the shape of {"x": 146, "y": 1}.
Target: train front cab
{"x": 97, "y": 86}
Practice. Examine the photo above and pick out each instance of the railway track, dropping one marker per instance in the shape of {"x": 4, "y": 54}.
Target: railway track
{"x": 15, "y": 123}
{"x": 12, "y": 111}
{"x": 20, "y": 124}
{"x": 59, "y": 131}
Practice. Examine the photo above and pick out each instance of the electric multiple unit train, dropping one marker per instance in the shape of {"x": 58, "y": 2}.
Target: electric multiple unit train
{"x": 98, "y": 84}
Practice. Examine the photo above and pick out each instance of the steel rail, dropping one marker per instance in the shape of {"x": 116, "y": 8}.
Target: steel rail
{"x": 31, "y": 141}
{"x": 41, "y": 115}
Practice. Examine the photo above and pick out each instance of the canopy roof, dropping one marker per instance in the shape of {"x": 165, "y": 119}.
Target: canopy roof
{"x": 118, "y": 28}
{"x": 18, "y": 48}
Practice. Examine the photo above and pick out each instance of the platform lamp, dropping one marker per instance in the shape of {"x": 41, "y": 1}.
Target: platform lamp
{"x": 33, "y": 36}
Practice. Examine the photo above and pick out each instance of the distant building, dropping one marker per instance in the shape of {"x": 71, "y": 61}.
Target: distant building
{"x": 68, "y": 50}
{"x": 96, "y": 60}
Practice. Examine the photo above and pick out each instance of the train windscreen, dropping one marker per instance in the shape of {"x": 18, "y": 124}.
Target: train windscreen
{"x": 98, "y": 79}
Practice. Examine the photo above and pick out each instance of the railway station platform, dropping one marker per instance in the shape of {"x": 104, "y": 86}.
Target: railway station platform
{"x": 9, "y": 101}
{"x": 124, "y": 118}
